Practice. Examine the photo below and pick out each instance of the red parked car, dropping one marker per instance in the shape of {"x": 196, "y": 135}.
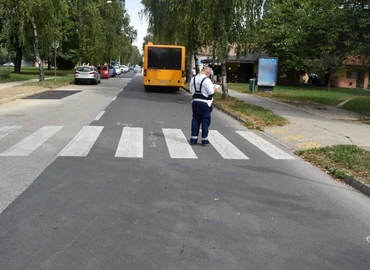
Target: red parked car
{"x": 104, "y": 72}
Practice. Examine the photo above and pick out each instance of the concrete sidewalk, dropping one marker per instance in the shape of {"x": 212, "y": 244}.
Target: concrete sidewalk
{"x": 312, "y": 126}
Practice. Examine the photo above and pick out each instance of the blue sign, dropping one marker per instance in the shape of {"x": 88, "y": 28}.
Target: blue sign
{"x": 267, "y": 71}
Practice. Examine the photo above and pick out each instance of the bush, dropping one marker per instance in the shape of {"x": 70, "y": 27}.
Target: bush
{"x": 64, "y": 64}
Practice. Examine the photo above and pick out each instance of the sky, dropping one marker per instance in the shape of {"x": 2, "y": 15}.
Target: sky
{"x": 133, "y": 8}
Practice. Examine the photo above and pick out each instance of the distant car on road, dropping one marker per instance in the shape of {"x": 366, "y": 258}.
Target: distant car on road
{"x": 112, "y": 71}
{"x": 85, "y": 74}
{"x": 118, "y": 70}
{"x": 124, "y": 69}
{"x": 9, "y": 64}
{"x": 104, "y": 72}
{"x": 137, "y": 69}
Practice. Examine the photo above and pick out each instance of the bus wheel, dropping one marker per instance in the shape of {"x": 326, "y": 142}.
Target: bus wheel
{"x": 147, "y": 88}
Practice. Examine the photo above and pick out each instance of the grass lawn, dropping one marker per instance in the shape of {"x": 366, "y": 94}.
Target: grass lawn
{"x": 28, "y": 73}
{"x": 360, "y": 105}
{"x": 51, "y": 83}
{"x": 319, "y": 95}
{"x": 256, "y": 117}
{"x": 343, "y": 159}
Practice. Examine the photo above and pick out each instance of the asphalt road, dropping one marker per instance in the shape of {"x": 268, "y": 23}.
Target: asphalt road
{"x": 104, "y": 179}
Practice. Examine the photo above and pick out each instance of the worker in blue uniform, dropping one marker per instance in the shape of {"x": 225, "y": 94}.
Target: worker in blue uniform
{"x": 203, "y": 90}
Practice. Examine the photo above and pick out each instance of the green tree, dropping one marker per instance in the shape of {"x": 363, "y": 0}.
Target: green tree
{"x": 136, "y": 57}
{"x": 315, "y": 35}
{"x": 87, "y": 30}
{"x": 197, "y": 24}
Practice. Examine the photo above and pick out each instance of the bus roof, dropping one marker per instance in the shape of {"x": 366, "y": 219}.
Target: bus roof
{"x": 150, "y": 44}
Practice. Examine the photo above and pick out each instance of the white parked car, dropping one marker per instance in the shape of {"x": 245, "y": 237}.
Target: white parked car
{"x": 9, "y": 64}
{"x": 124, "y": 69}
{"x": 118, "y": 70}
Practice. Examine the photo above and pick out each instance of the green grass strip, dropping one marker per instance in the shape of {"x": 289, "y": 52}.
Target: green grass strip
{"x": 51, "y": 83}
{"x": 256, "y": 117}
{"x": 320, "y": 95}
{"x": 358, "y": 105}
{"x": 344, "y": 159}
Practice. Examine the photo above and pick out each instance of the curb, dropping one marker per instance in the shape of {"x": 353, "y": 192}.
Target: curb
{"x": 233, "y": 115}
{"x": 348, "y": 179}
{"x": 353, "y": 182}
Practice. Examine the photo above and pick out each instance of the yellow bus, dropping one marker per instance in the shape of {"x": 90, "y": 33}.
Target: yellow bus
{"x": 164, "y": 66}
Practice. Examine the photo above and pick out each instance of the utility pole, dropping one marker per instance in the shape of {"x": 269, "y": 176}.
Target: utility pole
{"x": 9, "y": 64}
{"x": 55, "y": 46}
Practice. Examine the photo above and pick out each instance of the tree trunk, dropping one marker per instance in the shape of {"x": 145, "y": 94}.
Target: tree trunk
{"x": 18, "y": 60}
{"x": 225, "y": 90}
{"x": 329, "y": 80}
{"x": 196, "y": 62}
{"x": 36, "y": 48}
{"x": 49, "y": 64}
{"x": 189, "y": 68}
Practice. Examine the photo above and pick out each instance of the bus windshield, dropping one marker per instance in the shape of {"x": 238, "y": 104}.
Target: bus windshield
{"x": 164, "y": 58}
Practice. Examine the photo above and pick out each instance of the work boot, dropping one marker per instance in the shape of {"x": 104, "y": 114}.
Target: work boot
{"x": 205, "y": 142}
{"x": 193, "y": 141}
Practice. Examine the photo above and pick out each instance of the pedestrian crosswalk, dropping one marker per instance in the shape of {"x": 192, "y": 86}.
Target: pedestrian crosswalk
{"x": 224, "y": 147}
{"x": 82, "y": 143}
{"x": 131, "y": 143}
{"x": 264, "y": 145}
{"x": 32, "y": 142}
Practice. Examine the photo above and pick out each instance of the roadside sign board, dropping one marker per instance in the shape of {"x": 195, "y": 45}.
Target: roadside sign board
{"x": 267, "y": 71}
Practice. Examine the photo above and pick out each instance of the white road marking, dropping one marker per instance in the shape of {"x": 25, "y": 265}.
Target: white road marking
{"x": 131, "y": 143}
{"x": 264, "y": 145}
{"x": 114, "y": 98}
{"x": 99, "y": 116}
{"x": 32, "y": 142}
{"x": 123, "y": 124}
{"x": 82, "y": 143}
{"x": 178, "y": 145}
{"x": 5, "y": 131}
{"x": 368, "y": 239}
{"x": 224, "y": 147}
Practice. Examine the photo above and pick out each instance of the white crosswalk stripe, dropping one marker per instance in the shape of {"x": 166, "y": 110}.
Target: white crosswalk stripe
{"x": 5, "y": 131}
{"x": 131, "y": 143}
{"x": 224, "y": 147}
{"x": 82, "y": 143}
{"x": 264, "y": 145}
{"x": 178, "y": 145}
{"x": 32, "y": 142}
